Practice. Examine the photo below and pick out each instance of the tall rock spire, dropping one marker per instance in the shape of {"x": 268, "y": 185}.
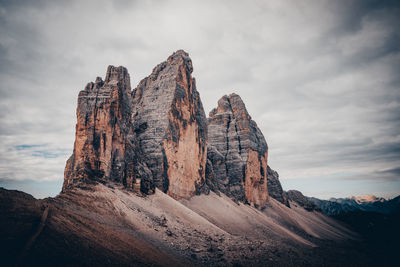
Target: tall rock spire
{"x": 172, "y": 127}
{"x": 103, "y": 126}
{"x": 237, "y": 152}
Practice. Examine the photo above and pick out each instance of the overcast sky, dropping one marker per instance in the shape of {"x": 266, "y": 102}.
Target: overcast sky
{"x": 320, "y": 78}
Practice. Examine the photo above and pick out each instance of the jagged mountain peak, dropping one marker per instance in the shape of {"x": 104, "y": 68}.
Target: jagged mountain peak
{"x": 117, "y": 74}
{"x": 181, "y": 57}
{"x": 231, "y": 103}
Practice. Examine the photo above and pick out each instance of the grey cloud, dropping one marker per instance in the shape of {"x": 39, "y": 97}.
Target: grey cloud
{"x": 384, "y": 176}
{"x": 394, "y": 171}
{"x": 320, "y": 78}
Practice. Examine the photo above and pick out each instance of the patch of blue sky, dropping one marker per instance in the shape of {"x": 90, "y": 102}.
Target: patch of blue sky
{"x": 37, "y": 189}
{"x": 44, "y": 152}
{"x": 48, "y": 154}
{"x": 25, "y": 146}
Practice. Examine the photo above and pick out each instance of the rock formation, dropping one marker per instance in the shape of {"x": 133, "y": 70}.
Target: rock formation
{"x": 237, "y": 152}
{"x": 274, "y": 187}
{"x": 152, "y": 136}
{"x": 102, "y": 148}
{"x": 171, "y": 127}
{"x": 156, "y": 136}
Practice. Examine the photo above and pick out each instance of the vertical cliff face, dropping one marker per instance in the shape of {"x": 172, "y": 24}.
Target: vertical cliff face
{"x": 237, "y": 152}
{"x": 172, "y": 127}
{"x": 275, "y": 188}
{"x": 102, "y": 131}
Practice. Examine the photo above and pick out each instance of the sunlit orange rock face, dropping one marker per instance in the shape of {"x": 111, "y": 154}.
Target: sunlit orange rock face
{"x": 102, "y": 129}
{"x": 152, "y": 136}
{"x": 237, "y": 152}
{"x": 255, "y": 179}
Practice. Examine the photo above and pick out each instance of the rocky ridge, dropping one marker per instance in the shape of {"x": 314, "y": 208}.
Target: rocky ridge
{"x": 339, "y": 206}
{"x": 303, "y": 201}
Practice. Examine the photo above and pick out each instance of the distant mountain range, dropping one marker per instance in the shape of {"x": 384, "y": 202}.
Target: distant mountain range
{"x": 375, "y": 219}
{"x": 369, "y": 203}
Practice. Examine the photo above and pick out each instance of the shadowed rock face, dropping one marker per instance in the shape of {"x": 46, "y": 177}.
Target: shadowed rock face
{"x": 274, "y": 187}
{"x": 152, "y": 136}
{"x": 237, "y": 152}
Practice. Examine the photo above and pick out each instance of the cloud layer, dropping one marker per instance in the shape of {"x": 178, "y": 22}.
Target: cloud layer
{"x": 321, "y": 78}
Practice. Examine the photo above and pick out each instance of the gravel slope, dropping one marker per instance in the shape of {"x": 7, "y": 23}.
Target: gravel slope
{"x": 107, "y": 225}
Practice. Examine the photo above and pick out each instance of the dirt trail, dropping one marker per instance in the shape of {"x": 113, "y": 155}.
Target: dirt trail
{"x": 33, "y": 238}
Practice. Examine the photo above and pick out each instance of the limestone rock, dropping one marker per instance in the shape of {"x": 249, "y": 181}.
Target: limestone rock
{"x": 237, "y": 152}
{"x": 171, "y": 127}
{"x": 275, "y": 188}
{"x": 101, "y": 149}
